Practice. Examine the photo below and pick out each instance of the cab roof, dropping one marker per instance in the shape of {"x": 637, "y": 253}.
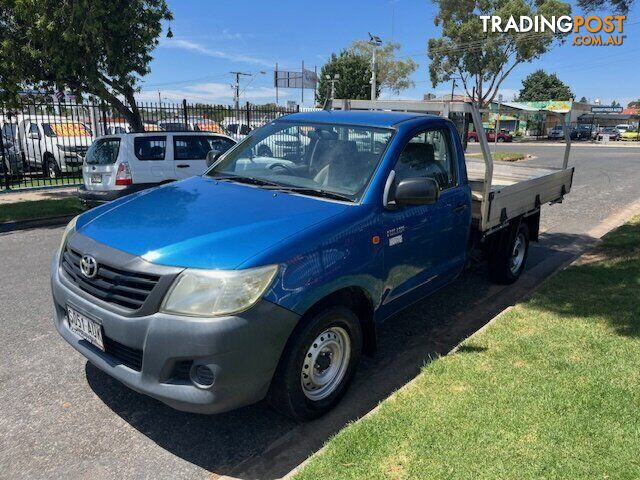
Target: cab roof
{"x": 356, "y": 117}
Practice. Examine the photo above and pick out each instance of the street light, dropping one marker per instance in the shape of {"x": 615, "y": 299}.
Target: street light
{"x": 375, "y": 41}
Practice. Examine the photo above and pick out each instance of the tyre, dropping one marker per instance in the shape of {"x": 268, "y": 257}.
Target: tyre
{"x": 500, "y": 139}
{"x": 51, "y": 169}
{"x": 471, "y": 140}
{"x": 507, "y": 261}
{"x": 317, "y": 364}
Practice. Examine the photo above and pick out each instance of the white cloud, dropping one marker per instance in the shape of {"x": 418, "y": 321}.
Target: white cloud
{"x": 211, "y": 92}
{"x": 184, "y": 44}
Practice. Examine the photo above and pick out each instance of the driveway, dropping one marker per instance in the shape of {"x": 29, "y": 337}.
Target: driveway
{"x": 63, "y": 418}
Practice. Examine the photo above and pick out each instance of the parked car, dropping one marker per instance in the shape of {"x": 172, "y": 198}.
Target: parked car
{"x": 490, "y": 134}
{"x": 192, "y": 125}
{"x": 630, "y": 135}
{"x": 556, "y": 133}
{"x": 623, "y": 127}
{"x": 117, "y": 165}
{"x": 613, "y": 133}
{"x": 581, "y": 132}
{"x": 56, "y": 145}
{"x": 267, "y": 279}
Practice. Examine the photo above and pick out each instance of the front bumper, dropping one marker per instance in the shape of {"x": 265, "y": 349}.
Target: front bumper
{"x": 242, "y": 351}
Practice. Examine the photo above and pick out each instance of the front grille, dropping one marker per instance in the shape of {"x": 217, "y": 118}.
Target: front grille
{"x": 112, "y": 285}
{"x": 129, "y": 357}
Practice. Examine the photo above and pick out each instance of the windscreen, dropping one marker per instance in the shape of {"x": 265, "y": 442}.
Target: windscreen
{"x": 103, "y": 152}
{"x": 311, "y": 159}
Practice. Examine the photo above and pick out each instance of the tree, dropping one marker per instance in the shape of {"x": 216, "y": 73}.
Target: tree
{"x": 482, "y": 60}
{"x": 391, "y": 73}
{"x": 634, "y": 104}
{"x": 97, "y": 47}
{"x": 354, "y": 67}
{"x": 540, "y": 86}
{"x": 615, "y": 103}
{"x": 583, "y": 99}
{"x": 618, "y": 6}
{"x": 354, "y": 71}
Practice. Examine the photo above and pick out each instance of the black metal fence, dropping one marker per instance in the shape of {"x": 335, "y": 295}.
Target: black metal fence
{"x": 43, "y": 142}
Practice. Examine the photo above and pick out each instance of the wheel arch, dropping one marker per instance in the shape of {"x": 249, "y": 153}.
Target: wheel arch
{"x": 360, "y": 302}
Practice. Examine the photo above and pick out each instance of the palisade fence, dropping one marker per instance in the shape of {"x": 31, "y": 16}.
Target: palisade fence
{"x": 43, "y": 142}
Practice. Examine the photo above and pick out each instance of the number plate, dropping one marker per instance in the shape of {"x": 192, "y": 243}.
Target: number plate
{"x": 86, "y": 328}
{"x": 96, "y": 178}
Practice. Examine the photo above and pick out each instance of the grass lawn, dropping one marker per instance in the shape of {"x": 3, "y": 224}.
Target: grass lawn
{"x": 551, "y": 389}
{"x": 39, "y": 209}
{"x": 503, "y": 156}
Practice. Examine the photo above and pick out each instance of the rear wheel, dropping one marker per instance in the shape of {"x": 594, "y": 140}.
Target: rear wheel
{"x": 317, "y": 364}
{"x": 500, "y": 139}
{"x": 507, "y": 261}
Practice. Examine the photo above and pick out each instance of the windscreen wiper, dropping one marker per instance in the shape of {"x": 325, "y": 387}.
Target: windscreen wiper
{"x": 316, "y": 192}
{"x": 249, "y": 180}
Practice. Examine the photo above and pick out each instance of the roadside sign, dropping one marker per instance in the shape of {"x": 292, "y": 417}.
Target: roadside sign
{"x": 295, "y": 79}
{"x": 606, "y": 109}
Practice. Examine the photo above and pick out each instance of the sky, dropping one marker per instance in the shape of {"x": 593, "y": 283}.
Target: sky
{"x": 212, "y": 39}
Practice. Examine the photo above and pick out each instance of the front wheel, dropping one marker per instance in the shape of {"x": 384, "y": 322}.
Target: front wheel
{"x": 317, "y": 364}
{"x": 51, "y": 169}
{"x": 507, "y": 261}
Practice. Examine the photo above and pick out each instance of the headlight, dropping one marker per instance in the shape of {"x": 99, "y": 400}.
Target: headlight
{"x": 70, "y": 228}
{"x": 209, "y": 293}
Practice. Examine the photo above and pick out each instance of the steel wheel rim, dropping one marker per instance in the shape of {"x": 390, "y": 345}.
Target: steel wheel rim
{"x": 325, "y": 363}
{"x": 52, "y": 169}
{"x": 517, "y": 256}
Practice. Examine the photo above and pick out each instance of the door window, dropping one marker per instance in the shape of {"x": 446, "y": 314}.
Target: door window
{"x": 194, "y": 147}
{"x": 428, "y": 154}
{"x": 150, "y": 148}
{"x": 33, "y": 130}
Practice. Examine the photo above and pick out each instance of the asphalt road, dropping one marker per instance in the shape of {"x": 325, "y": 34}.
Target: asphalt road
{"x": 62, "y": 418}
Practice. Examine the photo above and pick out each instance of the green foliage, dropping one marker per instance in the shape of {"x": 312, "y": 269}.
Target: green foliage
{"x": 355, "y": 73}
{"x": 98, "y": 47}
{"x": 634, "y": 104}
{"x": 617, "y": 6}
{"x": 615, "y": 103}
{"x": 583, "y": 99}
{"x": 540, "y": 86}
{"x": 392, "y": 73}
{"x": 354, "y": 67}
{"x": 482, "y": 60}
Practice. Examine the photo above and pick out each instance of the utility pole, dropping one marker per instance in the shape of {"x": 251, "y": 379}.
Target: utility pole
{"x": 453, "y": 87}
{"x": 236, "y": 89}
{"x": 375, "y": 42}
{"x": 497, "y": 126}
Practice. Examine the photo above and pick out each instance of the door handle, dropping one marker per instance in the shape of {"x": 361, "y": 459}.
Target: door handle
{"x": 182, "y": 165}
{"x": 461, "y": 207}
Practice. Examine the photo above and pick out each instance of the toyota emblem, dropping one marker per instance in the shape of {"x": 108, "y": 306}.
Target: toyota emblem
{"x": 88, "y": 266}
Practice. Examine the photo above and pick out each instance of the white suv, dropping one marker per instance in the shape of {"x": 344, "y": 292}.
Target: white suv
{"x": 117, "y": 165}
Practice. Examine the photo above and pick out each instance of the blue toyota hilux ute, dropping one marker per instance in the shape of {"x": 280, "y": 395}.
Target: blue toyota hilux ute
{"x": 267, "y": 275}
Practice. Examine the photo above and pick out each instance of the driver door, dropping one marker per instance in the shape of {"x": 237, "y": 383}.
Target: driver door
{"x": 425, "y": 245}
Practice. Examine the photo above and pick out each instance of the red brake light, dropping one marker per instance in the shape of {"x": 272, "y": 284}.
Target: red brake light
{"x": 123, "y": 177}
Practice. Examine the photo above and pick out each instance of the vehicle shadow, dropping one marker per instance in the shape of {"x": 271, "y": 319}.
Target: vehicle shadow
{"x": 257, "y": 442}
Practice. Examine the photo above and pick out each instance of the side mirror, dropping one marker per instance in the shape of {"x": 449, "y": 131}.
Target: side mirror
{"x": 417, "y": 191}
{"x": 212, "y": 156}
